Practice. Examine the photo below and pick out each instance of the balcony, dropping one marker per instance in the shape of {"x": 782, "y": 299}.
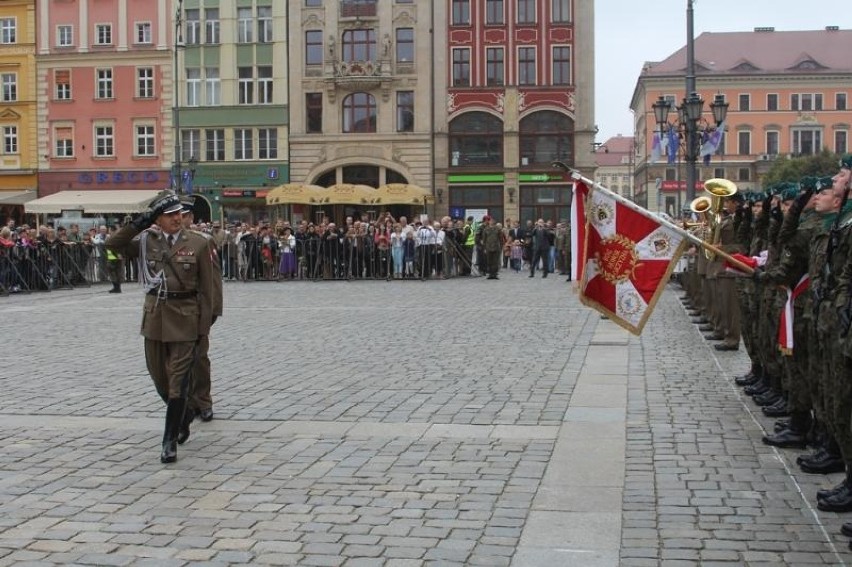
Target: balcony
{"x": 357, "y": 8}
{"x": 358, "y": 76}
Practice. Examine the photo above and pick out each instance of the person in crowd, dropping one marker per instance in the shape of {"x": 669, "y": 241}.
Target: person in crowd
{"x": 540, "y": 238}
{"x": 492, "y": 244}
{"x": 287, "y": 246}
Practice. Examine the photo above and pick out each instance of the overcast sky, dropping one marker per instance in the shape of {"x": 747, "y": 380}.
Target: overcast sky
{"x": 630, "y": 32}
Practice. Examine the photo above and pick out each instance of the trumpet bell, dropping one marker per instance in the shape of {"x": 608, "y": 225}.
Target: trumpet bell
{"x": 720, "y": 187}
{"x": 701, "y": 204}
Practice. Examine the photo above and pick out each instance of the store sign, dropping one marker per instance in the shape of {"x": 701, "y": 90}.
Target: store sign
{"x": 679, "y": 185}
{"x": 238, "y": 193}
{"x": 118, "y": 177}
{"x": 476, "y": 178}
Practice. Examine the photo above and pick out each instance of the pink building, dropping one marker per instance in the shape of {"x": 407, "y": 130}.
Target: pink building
{"x": 104, "y": 89}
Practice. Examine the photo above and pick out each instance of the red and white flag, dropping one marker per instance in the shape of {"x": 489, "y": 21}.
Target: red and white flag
{"x": 629, "y": 257}
{"x": 785, "y": 327}
{"x": 578, "y": 230}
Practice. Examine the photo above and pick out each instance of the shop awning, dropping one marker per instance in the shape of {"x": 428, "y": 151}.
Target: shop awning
{"x": 96, "y": 202}
{"x": 16, "y": 197}
{"x": 400, "y": 194}
{"x": 347, "y": 194}
{"x": 294, "y": 194}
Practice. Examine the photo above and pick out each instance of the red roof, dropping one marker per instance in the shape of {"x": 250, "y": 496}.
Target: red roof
{"x": 612, "y": 152}
{"x": 763, "y": 52}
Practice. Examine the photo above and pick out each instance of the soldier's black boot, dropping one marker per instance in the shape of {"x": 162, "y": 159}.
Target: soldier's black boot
{"x": 781, "y": 425}
{"x": 846, "y": 529}
{"x": 768, "y": 398}
{"x": 183, "y": 432}
{"x": 778, "y": 409}
{"x": 752, "y": 377}
{"x": 116, "y": 288}
{"x": 826, "y": 461}
{"x": 174, "y": 415}
{"x": 757, "y": 388}
{"x": 840, "y": 501}
{"x": 793, "y": 436}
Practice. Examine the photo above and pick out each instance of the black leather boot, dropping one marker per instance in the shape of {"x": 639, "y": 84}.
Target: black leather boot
{"x": 794, "y": 436}
{"x": 846, "y": 529}
{"x": 752, "y": 377}
{"x": 758, "y": 388}
{"x": 781, "y": 425}
{"x": 778, "y": 409}
{"x": 174, "y": 415}
{"x": 767, "y": 398}
{"x": 825, "y": 462}
{"x": 840, "y": 501}
{"x": 183, "y": 432}
{"x": 826, "y": 492}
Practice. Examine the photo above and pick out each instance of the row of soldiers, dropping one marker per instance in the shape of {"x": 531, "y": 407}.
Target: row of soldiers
{"x": 796, "y": 311}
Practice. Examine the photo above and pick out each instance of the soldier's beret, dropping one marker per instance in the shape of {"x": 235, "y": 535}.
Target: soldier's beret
{"x": 846, "y": 161}
{"x": 823, "y": 183}
{"x": 808, "y": 182}
{"x": 165, "y": 203}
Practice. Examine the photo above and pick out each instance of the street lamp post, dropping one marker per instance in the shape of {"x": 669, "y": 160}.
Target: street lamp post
{"x": 178, "y": 39}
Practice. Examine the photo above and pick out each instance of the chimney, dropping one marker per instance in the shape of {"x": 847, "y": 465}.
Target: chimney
{"x": 832, "y": 28}
{"x": 767, "y": 29}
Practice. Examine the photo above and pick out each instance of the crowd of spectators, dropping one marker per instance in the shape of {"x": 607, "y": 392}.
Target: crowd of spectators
{"x": 383, "y": 248}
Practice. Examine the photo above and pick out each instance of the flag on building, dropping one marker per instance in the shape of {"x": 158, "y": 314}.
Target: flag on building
{"x": 656, "y": 147}
{"x": 628, "y": 259}
{"x": 673, "y": 145}
{"x": 711, "y": 143}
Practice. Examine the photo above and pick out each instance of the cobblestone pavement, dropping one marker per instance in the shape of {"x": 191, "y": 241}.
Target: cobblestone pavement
{"x": 402, "y": 424}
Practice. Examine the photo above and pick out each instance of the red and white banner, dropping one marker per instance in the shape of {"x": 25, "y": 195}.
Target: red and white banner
{"x": 629, "y": 257}
{"x": 785, "y": 328}
{"x": 578, "y": 230}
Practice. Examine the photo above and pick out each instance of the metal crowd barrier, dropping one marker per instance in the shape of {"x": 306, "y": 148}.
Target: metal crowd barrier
{"x": 39, "y": 267}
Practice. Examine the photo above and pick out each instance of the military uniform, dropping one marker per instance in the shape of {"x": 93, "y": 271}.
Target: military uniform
{"x": 492, "y": 244}
{"x": 179, "y": 305}
{"x": 726, "y": 310}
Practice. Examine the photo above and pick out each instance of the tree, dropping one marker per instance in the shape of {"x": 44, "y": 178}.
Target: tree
{"x": 793, "y": 169}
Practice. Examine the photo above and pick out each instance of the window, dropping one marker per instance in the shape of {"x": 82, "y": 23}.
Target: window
{"x": 145, "y": 82}
{"x": 494, "y": 75}
{"x": 806, "y": 141}
{"x": 561, "y": 11}
{"x": 718, "y": 173}
{"x": 745, "y": 102}
{"x": 243, "y": 145}
{"x": 104, "y": 141}
{"x": 526, "y": 65}
{"x": 215, "y": 144}
{"x": 313, "y": 113}
{"x": 267, "y": 142}
{"x": 143, "y": 32}
{"x": 245, "y": 85}
{"x": 193, "y": 86}
{"x": 476, "y": 139}
{"x": 9, "y": 83}
{"x": 840, "y": 101}
{"x": 744, "y": 142}
{"x": 64, "y": 36}
{"x": 190, "y": 143}
{"x": 743, "y": 174}
{"x": 359, "y": 45}
{"x": 526, "y": 11}
{"x": 359, "y": 113}
{"x": 245, "y": 26}
{"x": 211, "y": 25}
{"x": 404, "y": 45}
{"x": 461, "y": 67}
{"x": 562, "y": 65}
{"x": 772, "y": 137}
{"x": 264, "y": 84}
{"x": 405, "y": 111}
{"x": 193, "y": 27}
{"x": 841, "y": 138}
{"x": 772, "y": 102}
{"x": 213, "y": 86}
{"x": 313, "y": 3}
{"x": 494, "y": 12}
{"x": 62, "y": 80}
{"x": 544, "y": 137}
{"x": 64, "y": 142}
{"x": 10, "y": 140}
{"x": 145, "y": 140}
{"x": 264, "y": 24}
{"x": 806, "y": 102}
{"x": 313, "y": 47}
{"x": 461, "y": 12}
{"x": 103, "y": 88}
{"x": 103, "y": 34}
{"x": 8, "y": 30}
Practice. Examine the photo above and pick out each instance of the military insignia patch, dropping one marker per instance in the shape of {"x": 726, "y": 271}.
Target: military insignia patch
{"x": 629, "y": 304}
{"x": 661, "y": 244}
{"x": 602, "y": 214}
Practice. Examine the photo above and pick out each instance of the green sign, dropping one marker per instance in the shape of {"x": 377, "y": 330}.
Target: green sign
{"x": 476, "y": 178}
{"x": 538, "y": 177}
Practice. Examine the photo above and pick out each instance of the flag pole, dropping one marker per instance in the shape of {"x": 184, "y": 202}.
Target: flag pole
{"x": 577, "y": 176}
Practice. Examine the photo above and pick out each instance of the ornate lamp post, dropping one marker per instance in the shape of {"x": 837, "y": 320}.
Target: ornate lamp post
{"x": 178, "y": 39}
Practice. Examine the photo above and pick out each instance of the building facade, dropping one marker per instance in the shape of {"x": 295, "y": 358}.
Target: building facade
{"x": 519, "y": 78}
{"x": 788, "y": 95}
{"x": 615, "y": 160}
{"x": 18, "y": 120}
{"x": 233, "y": 104}
{"x": 104, "y": 95}
{"x": 362, "y": 79}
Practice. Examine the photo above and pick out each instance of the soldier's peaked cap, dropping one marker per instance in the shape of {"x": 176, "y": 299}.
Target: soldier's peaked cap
{"x": 166, "y": 203}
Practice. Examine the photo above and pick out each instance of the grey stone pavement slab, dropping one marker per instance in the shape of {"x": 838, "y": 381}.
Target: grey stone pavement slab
{"x": 402, "y": 424}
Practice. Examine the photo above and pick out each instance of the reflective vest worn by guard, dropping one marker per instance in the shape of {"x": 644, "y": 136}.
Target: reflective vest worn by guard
{"x": 471, "y": 237}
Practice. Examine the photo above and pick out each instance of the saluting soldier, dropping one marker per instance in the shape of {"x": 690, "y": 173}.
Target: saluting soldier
{"x": 177, "y": 271}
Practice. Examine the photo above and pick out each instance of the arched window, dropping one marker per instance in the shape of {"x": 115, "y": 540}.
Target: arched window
{"x": 359, "y": 113}
{"x": 359, "y": 45}
{"x": 476, "y": 138}
{"x": 546, "y": 136}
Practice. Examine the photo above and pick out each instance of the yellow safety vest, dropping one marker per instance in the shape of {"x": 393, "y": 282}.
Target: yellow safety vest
{"x": 111, "y": 256}
{"x": 471, "y": 238}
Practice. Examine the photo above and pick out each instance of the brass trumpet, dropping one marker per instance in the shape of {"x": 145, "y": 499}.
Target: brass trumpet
{"x": 717, "y": 190}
